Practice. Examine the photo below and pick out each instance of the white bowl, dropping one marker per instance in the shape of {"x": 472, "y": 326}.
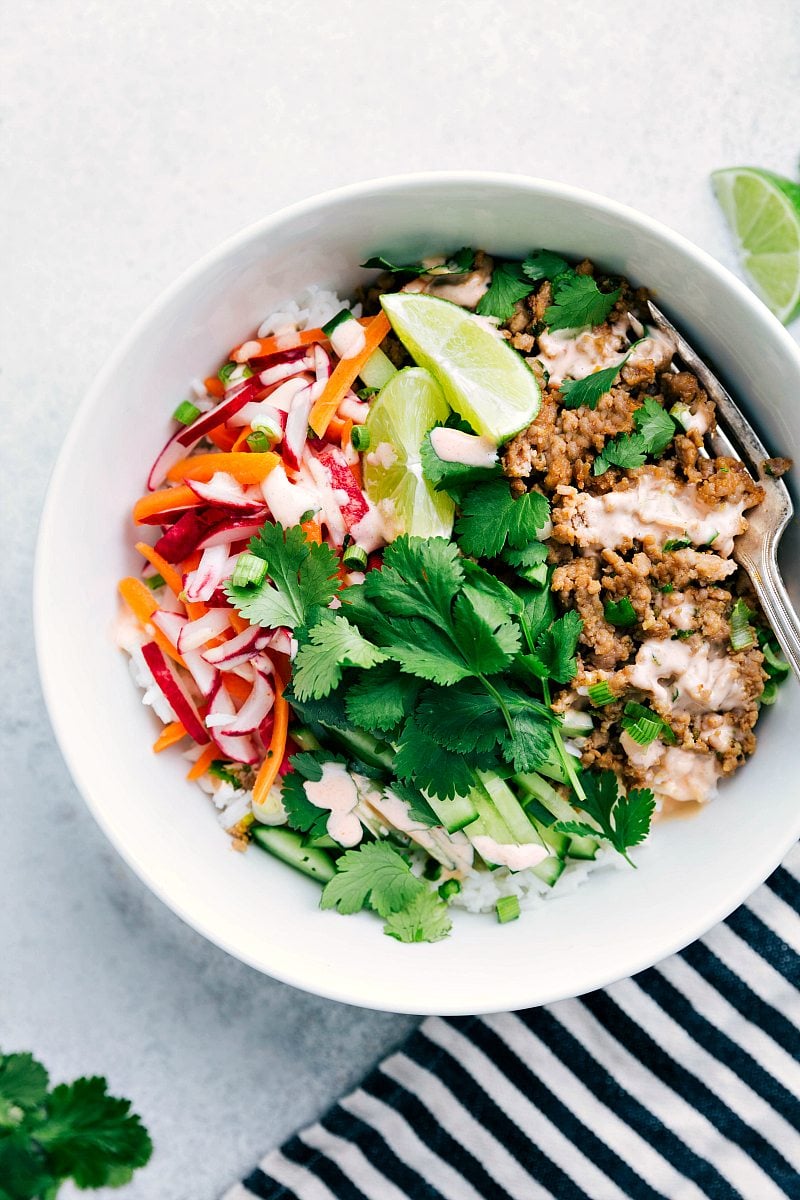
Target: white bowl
{"x": 692, "y": 874}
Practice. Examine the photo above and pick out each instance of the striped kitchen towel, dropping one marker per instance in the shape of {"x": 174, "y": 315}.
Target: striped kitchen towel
{"x": 678, "y": 1084}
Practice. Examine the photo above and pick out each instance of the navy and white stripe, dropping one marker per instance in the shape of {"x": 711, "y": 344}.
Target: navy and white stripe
{"x": 679, "y": 1084}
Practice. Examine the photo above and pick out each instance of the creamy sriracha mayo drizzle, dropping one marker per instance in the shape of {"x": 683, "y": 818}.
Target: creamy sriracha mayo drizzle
{"x": 455, "y": 446}
{"x": 337, "y": 793}
{"x": 516, "y": 857}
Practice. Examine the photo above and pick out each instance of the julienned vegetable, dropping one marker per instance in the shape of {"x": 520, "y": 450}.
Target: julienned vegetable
{"x": 417, "y": 722}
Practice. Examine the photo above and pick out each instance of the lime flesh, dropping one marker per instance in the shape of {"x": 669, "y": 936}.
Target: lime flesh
{"x": 763, "y": 211}
{"x": 409, "y": 405}
{"x": 482, "y": 378}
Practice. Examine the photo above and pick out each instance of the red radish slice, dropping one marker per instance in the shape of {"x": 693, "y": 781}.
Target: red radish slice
{"x": 239, "y": 749}
{"x": 203, "y": 582}
{"x": 204, "y": 675}
{"x": 296, "y": 432}
{"x": 322, "y": 365}
{"x": 224, "y": 490}
{"x": 175, "y": 692}
{"x": 237, "y": 650}
{"x": 235, "y": 529}
{"x": 254, "y": 710}
{"x": 171, "y": 624}
{"x": 352, "y": 409}
{"x": 283, "y": 395}
{"x": 171, "y": 453}
{"x": 351, "y": 500}
{"x": 183, "y": 537}
{"x": 196, "y": 633}
{"x": 280, "y": 641}
{"x": 235, "y": 399}
{"x": 258, "y": 412}
{"x": 287, "y": 366}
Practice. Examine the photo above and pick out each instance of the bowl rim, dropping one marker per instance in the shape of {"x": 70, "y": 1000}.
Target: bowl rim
{"x": 397, "y": 183}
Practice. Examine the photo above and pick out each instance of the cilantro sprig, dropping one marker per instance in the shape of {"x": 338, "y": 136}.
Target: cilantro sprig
{"x": 624, "y": 821}
{"x": 456, "y": 264}
{"x": 74, "y": 1132}
{"x": 509, "y": 284}
{"x": 578, "y": 303}
{"x": 302, "y": 576}
{"x": 655, "y": 429}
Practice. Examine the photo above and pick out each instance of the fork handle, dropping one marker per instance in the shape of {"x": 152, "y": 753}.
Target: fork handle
{"x": 768, "y": 583}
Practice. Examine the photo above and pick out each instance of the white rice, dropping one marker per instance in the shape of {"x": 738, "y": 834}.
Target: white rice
{"x": 314, "y": 307}
{"x": 130, "y": 638}
{"x": 481, "y": 890}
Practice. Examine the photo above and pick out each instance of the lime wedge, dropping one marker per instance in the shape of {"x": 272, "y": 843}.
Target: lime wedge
{"x": 763, "y": 211}
{"x": 483, "y": 379}
{"x": 410, "y": 404}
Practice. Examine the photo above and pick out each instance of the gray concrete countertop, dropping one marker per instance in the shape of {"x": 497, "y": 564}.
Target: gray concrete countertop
{"x": 135, "y": 137}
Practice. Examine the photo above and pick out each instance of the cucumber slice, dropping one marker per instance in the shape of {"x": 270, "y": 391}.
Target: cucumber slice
{"x": 509, "y": 808}
{"x": 454, "y": 814}
{"x": 377, "y": 370}
{"x": 288, "y": 846}
{"x": 305, "y": 738}
{"x": 559, "y": 843}
{"x": 582, "y": 847}
{"x": 365, "y": 747}
{"x": 577, "y": 724}
{"x": 553, "y": 767}
{"x": 549, "y": 870}
{"x": 547, "y": 795}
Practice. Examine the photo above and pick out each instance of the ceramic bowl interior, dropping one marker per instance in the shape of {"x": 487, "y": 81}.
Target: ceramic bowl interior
{"x": 692, "y": 874}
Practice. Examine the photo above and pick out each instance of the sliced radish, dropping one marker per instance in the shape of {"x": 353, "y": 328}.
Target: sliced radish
{"x": 258, "y": 412}
{"x": 283, "y": 395}
{"x": 204, "y": 675}
{"x": 239, "y": 749}
{"x": 222, "y": 489}
{"x": 353, "y": 409}
{"x": 291, "y": 363}
{"x": 175, "y": 692}
{"x": 237, "y": 650}
{"x": 322, "y": 365}
{"x": 349, "y": 497}
{"x": 183, "y": 537}
{"x": 254, "y": 711}
{"x": 171, "y": 624}
{"x": 171, "y": 453}
{"x": 235, "y": 399}
{"x": 296, "y": 432}
{"x": 195, "y": 634}
{"x": 280, "y": 641}
{"x": 204, "y": 581}
{"x": 234, "y": 529}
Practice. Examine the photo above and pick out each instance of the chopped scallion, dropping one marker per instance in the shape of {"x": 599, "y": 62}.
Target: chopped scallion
{"x": 249, "y": 569}
{"x": 450, "y": 887}
{"x": 770, "y": 692}
{"x": 360, "y": 438}
{"x": 186, "y": 412}
{"x": 344, "y": 314}
{"x": 154, "y": 582}
{"x": 366, "y": 393}
{"x": 234, "y": 373}
{"x": 620, "y": 612}
{"x": 258, "y": 441}
{"x": 742, "y": 635}
{"x": 644, "y": 725}
{"x": 222, "y": 770}
{"x": 507, "y": 908}
{"x": 774, "y": 661}
{"x": 677, "y": 543}
{"x": 601, "y": 693}
{"x": 354, "y": 558}
{"x": 666, "y": 588}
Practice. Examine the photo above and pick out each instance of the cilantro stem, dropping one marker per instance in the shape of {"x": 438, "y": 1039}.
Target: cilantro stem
{"x": 566, "y": 759}
{"x": 501, "y": 704}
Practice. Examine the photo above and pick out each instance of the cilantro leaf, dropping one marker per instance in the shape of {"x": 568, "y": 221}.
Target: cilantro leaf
{"x": 628, "y": 451}
{"x": 469, "y": 720}
{"x": 655, "y": 429}
{"x": 538, "y": 611}
{"x": 622, "y": 820}
{"x": 424, "y": 920}
{"x": 456, "y": 264}
{"x": 486, "y": 645}
{"x": 418, "y": 806}
{"x": 490, "y": 597}
{"x": 492, "y": 518}
{"x": 424, "y": 650}
{"x": 431, "y": 767}
{"x": 585, "y": 393}
{"x": 302, "y": 576}
{"x": 329, "y": 711}
{"x": 382, "y": 698}
{"x": 373, "y": 874}
{"x": 89, "y": 1136}
{"x": 418, "y": 578}
{"x": 451, "y": 477}
{"x": 332, "y": 644}
{"x": 544, "y": 264}
{"x": 578, "y": 302}
{"x": 301, "y": 814}
{"x": 509, "y": 284}
{"x": 531, "y": 555}
{"x": 620, "y": 612}
{"x": 554, "y": 656}
{"x": 23, "y": 1081}
{"x": 529, "y": 745}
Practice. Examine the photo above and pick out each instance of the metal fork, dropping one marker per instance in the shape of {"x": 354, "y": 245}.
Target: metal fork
{"x": 756, "y": 550}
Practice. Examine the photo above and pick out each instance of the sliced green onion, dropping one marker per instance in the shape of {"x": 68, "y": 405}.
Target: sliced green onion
{"x": 677, "y": 543}
{"x": 682, "y": 414}
{"x": 258, "y": 441}
{"x": 601, "y": 693}
{"x": 308, "y": 515}
{"x": 770, "y": 692}
{"x": 433, "y": 869}
{"x": 620, "y": 612}
{"x": 154, "y": 582}
{"x": 507, "y": 908}
{"x": 644, "y": 725}
{"x": 270, "y": 429}
{"x": 186, "y": 412}
{"x": 776, "y": 664}
{"x": 681, "y": 634}
{"x": 222, "y": 770}
{"x": 344, "y": 314}
{"x": 227, "y": 374}
{"x": 249, "y": 569}
{"x": 354, "y": 558}
{"x": 360, "y": 438}
{"x": 450, "y": 887}
{"x": 742, "y": 635}
{"x": 667, "y": 588}
{"x": 712, "y": 539}
{"x": 366, "y": 393}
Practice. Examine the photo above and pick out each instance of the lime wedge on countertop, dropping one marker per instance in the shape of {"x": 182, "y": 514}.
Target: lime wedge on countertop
{"x": 409, "y": 405}
{"x": 763, "y": 211}
{"x": 483, "y": 379}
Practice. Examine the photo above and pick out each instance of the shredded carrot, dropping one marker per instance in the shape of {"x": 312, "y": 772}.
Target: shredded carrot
{"x": 169, "y": 735}
{"x": 344, "y": 433}
{"x": 355, "y": 467}
{"x": 238, "y": 688}
{"x": 167, "y": 500}
{"x": 268, "y": 770}
{"x": 344, "y": 374}
{"x": 142, "y": 604}
{"x": 335, "y": 428}
{"x": 215, "y": 387}
{"x": 247, "y": 468}
{"x": 241, "y": 439}
{"x": 221, "y": 438}
{"x": 204, "y": 762}
{"x": 261, "y": 347}
{"x": 239, "y": 624}
{"x": 166, "y": 570}
{"x": 312, "y": 531}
